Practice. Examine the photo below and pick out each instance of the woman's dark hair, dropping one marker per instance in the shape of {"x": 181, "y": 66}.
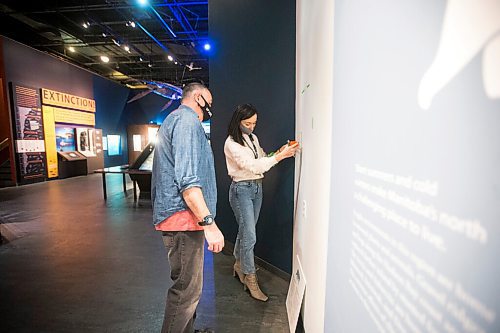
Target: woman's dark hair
{"x": 242, "y": 112}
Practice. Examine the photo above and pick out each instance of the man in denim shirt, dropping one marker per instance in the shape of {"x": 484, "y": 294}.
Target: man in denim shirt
{"x": 184, "y": 197}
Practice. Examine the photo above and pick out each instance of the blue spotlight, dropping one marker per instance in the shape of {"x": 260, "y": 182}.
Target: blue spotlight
{"x": 207, "y": 47}
{"x": 143, "y": 3}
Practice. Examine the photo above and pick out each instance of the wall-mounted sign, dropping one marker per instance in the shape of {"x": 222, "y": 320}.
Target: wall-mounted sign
{"x": 104, "y": 143}
{"x": 57, "y": 98}
{"x": 98, "y": 142}
{"x": 50, "y": 141}
{"x": 73, "y": 117}
{"x": 137, "y": 138}
{"x": 29, "y": 134}
{"x": 30, "y": 146}
{"x": 114, "y": 145}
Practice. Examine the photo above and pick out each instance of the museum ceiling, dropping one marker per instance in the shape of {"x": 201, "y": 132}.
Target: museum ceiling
{"x": 131, "y": 42}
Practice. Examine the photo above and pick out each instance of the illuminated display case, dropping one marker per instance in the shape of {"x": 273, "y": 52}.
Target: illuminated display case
{"x": 114, "y": 145}
{"x": 138, "y": 137}
{"x": 65, "y": 139}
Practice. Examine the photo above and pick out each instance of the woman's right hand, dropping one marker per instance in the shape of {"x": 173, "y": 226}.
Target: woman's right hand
{"x": 287, "y": 151}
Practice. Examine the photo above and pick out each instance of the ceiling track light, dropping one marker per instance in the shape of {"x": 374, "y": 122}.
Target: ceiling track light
{"x": 86, "y": 24}
{"x": 170, "y": 58}
{"x": 104, "y": 59}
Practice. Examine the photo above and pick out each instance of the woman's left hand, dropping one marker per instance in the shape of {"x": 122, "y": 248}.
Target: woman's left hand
{"x": 282, "y": 147}
{"x": 288, "y": 151}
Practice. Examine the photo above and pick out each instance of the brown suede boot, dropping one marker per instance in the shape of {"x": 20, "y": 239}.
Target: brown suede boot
{"x": 237, "y": 271}
{"x": 251, "y": 283}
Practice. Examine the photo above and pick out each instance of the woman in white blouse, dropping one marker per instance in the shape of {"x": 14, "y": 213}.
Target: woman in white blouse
{"x": 246, "y": 164}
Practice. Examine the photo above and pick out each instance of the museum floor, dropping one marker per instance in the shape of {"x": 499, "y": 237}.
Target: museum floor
{"x": 78, "y": 264}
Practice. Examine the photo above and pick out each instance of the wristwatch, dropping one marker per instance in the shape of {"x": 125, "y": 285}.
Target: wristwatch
{"x": 207, "y": 220}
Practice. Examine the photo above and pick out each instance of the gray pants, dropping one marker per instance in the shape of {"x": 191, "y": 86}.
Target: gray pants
{"x": 185, "y": 254}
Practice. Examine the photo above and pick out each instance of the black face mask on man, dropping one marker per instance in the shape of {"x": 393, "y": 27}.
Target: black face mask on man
{"x": 207, "y": 114}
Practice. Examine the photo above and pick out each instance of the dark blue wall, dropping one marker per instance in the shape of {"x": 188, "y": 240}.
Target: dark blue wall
{"x": 148, "y": 108}
{"x": 254, "y": 62}
{"x": 110, "y": 101}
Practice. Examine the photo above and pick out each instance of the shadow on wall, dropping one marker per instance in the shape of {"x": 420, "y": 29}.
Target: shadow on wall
{"x": 469, "y": 27}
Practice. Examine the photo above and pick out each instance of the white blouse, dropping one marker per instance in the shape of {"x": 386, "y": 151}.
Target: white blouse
{"x": 241, "y": 162}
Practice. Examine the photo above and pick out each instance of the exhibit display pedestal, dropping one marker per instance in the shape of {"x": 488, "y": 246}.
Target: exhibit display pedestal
{"x": 141, "y": 140}
{"x": 143, "y": 180}
{"x": 71, "y": 164}
{"x": 123, "y": 170}
{"x": 140, "y": 171}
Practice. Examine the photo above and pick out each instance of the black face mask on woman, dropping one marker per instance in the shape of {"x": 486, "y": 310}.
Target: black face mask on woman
{"x": 207, "y": 114}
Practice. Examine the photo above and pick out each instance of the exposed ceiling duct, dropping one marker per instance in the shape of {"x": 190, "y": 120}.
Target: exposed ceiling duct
{"x": 159, "y": 42}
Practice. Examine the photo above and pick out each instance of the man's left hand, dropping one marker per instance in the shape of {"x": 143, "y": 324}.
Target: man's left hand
{"x": 214, "y": 237}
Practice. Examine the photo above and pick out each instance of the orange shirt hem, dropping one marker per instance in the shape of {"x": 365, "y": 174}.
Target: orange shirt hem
{"x": 180, "y": 221}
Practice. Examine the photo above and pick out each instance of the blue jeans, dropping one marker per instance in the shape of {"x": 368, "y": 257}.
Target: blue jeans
{"x": 245, "y": 198}
{"x": 185, "y": 255}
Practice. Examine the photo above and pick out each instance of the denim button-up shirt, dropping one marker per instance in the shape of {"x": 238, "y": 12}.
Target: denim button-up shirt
{"x": 182, "y": 159}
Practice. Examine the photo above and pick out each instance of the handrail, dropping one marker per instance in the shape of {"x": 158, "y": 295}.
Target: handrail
{"x": 4, "y": 144}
